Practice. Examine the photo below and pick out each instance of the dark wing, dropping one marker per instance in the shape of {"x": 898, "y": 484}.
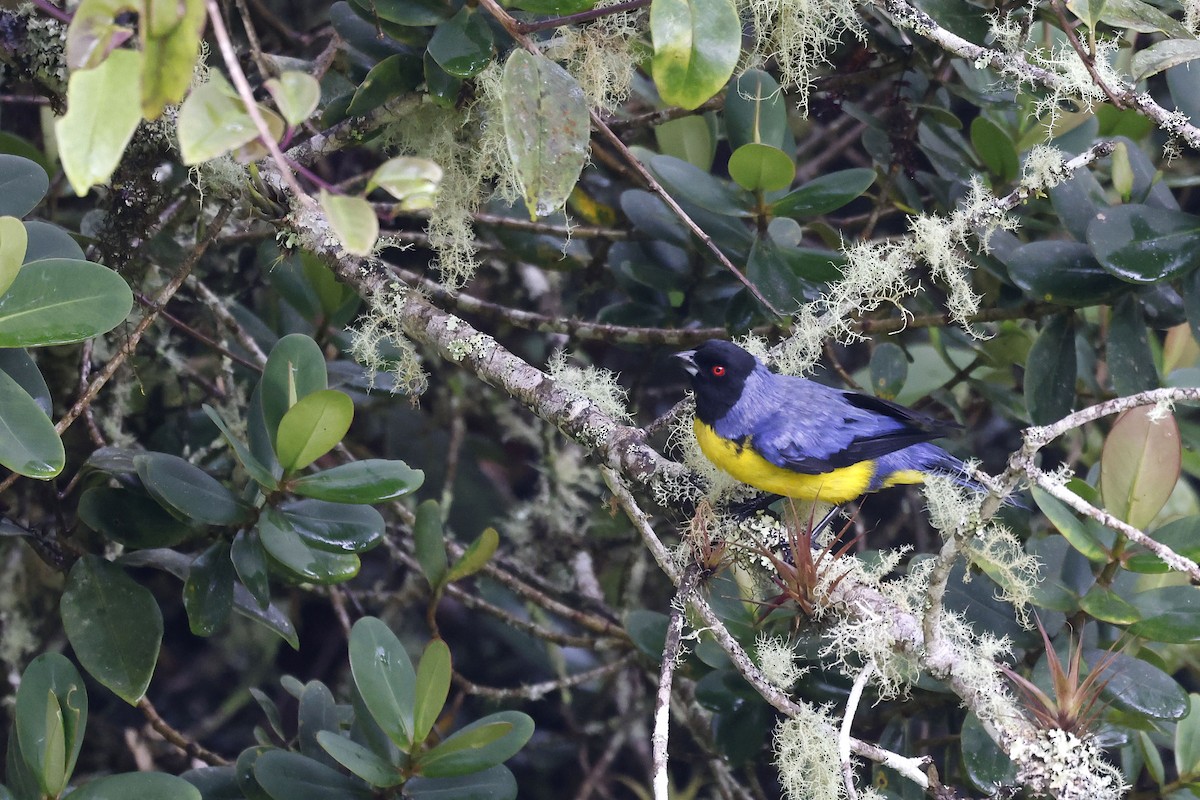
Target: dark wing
{"x": 852, "y": 428}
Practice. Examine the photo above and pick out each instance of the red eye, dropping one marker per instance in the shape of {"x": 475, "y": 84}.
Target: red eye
{"x": 718, "y": 371}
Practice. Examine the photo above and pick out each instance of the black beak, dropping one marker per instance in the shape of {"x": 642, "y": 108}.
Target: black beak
{"x": 688, "y": 357}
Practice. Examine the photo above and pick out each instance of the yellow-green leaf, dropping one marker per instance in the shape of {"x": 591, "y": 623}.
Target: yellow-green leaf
{"x": 312, "y": 427}
{"x": 296, "y": 94}
{"x": 103, "y": 111}
{"x": 412, "y": 181}
{"x": 13, "y": 242}
{"x": 213, "y": 121}
{"x": 697, "y": 44}
{"x": 93, "y": 32}
{"x": 353, "y": 220}
{"x": 1140, "y": 465}
{"x": 171, "y": 42}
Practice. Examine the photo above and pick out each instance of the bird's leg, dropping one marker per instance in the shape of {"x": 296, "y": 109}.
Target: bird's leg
{"x": 825, "y": 520}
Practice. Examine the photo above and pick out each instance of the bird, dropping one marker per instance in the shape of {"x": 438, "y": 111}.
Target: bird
{"x": 794, "y": 437}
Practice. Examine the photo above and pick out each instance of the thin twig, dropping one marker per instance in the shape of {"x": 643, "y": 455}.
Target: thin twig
{"x": 252, "y": 37}
{"x": 662, "y": 699}
{"x": 247, "y": 94}
{"x": 856, "y": 693}
{"x": 1087, "y": 58}
{"x": 178, "y": 738}
{"x": 204, "y": 339}
{"x": 536, "y": 691}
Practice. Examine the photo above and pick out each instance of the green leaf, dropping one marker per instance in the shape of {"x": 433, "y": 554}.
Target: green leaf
{"x": 213, "y": 121}
{"x": 824, "y": 194}
{"x": 689, "y": 139}
{"x": 334, "y": 527}
{"x": 47, "y": 240}
{"x": 360, "y": 760}
{"x": 1187, "y": 740}
{"x": 23, "y": 184}
{"x": 432, "y": 687}
{"x": 295, "y": 368}
{"x": 889, "y": 370}
{"x": 215, "y": 783}
{"x": 270, "y": 617}
{"x": 475, "y": 556}
{"x": 353, "y": 220}
{"x": 142, "y": 785}
{"x": 1143, "y": 244}
{"x": 114, "y": 626}
{"x": 391, "y": 77}
{"x": 1170, "y": 614}
{"x": 296, "y": 94}
{"x": 555, "y": 8}
{"x": 372, "y": 480}
{"x": 1140, "y": 465}
{"x": 1130, "y": 361}
{"x": 103, "y": 110}
{"x": 171, "y": 32}
{"x": 1134, "y": 15}
{"x": 1181, "y": 535}
{"x": 430, "y": 543}
{"x": 412, "y": 181}
{"x": 131, "y": 519}
{"x": 250, "y": 562}
{"x": 384, "y": 675}
{"x": 442, "y": 87}
{"x": 462, "y": 45}
{"x": 986, "y": 764}
{"x": 257, "y": 471}
{"x": 1062, "y": 272}
{"x": 482, "y": 744}
{"x": 773, "y": 276}
{"x": 298, "y": 559}
{"x": 29, "y": 444}
{"x": 1050, "y": 371}
{"x": 14, "y": 240}
{"x": 188, "y": 490}
{"x": 496, "y": 783}
{"x": 648, "y": 631}
{"x": 291, "y": 776}
{"x": 1107, "y": 606}
{"x": 312, "y": 427}
{"x": 51, "y": 714}
{"x": 1071, "y": 527}
{"x": 1163, "y": 55}
{"x": 696, "y": 47}
{"x": 761, "y": 168}
{"x": 410, "y": 13}
{"x": 318, "y": 712}
{"x": 755, "y": 111}
{"x": 698, "y": 187}
{"x": 1140, "y": 687}
{"x": 61, "y": 301}
{"x": 546, "y": 129}
{"x": 997, "y": 150}
{"x": 208, "y": 590}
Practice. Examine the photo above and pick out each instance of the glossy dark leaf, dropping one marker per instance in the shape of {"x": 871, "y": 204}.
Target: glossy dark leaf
{"x": 462, "y": 45}
{"x": 298, "y": 559}
{"x": 23, "y": 184}
{"x": 393, "y": 76}
{"x": 755, "y": 110}
{"x": 373, "y": 480}
{"x": 295, "y": 368}
{"x": 188, "y": 490}
{"x": 131, "y": 519}
{"x": 142, "y": 785}
{"x": 29, "y": 443}
{"x": 60, "y": 301}
{"x": 250, "y": 562}
{"x": 1170, "y": 614}
{"x": 1057, "y": 271}
{"x": 334, "y": 527}
{"x": 291, "y": 776}
{"x": 1050, "y": 371}
{"x": 685, "y": 181}
{"x": 827, "y": 193}
{"x": 317, "y": 712}
{"x": 1181, "y": 535}
{"x": 773, "y": 276}
{"x": 1129, "y": 358}
{"x": 496, "y": 783}
{"x": 430, "y": 543}
{"x": 384, "y": 675}
{"x": 360, "y": 760}
{"x": 114, "y": 626}
{"x": 261, "y": 474}
{"x": 208, "y": 590}
{"x": 889, "y": 370}
{"x": 1143, "y": 244}
{"x": 1139, "y": 686}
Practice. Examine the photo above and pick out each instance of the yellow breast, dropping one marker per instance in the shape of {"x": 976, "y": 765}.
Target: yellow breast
{"x": 740, "y": 461}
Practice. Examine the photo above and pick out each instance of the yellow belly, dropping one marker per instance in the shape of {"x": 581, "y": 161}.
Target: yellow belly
{"x": 838, "y": 486}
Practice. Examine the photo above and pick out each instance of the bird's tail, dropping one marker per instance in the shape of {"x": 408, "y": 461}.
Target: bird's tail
{"x": 938, "y": 462}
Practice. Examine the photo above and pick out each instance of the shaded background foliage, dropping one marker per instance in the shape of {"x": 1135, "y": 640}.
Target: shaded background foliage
{"x": 557, "y": 610}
